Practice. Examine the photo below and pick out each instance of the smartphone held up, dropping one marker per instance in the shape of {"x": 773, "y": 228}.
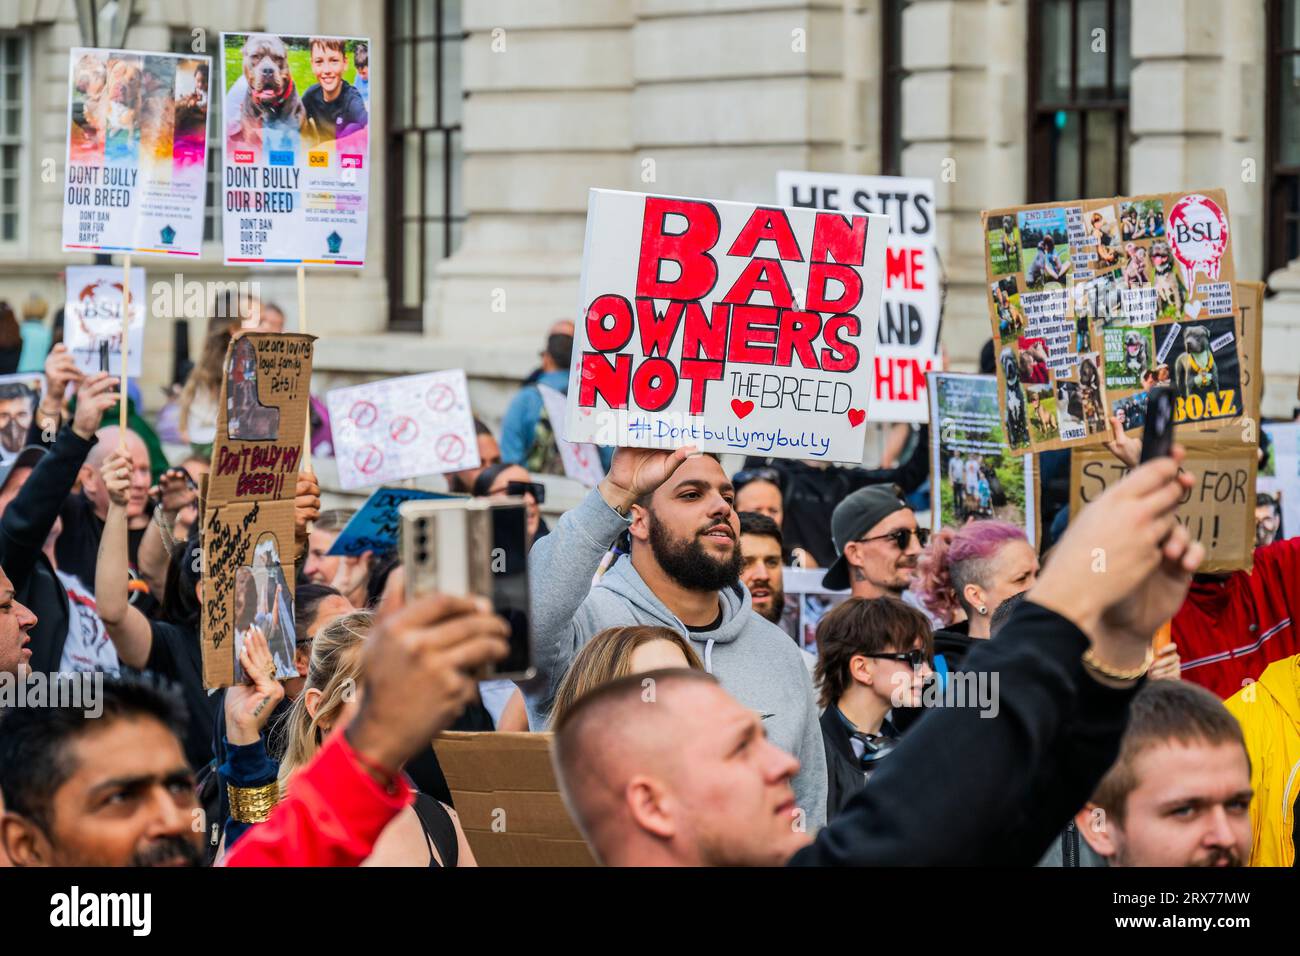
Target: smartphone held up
{"x": 474, "y": 546}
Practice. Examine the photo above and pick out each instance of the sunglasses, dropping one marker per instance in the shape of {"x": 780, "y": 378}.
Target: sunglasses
{"x": 903, "y": 537}
{"x": 914, "y": 658}
{"x": 535, "y": 489}
{"x": 742, "y": 478}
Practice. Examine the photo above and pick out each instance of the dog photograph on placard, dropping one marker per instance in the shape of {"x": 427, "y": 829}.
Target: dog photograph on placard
{"x": 1171, "y": 294}
{"x": 1006, "y": 300}
{"x": 1004, "y": 245}
{"x": 1017, "y": 426}
{"x": 1205, "y": 373}
{"x": 263, "y": 601}
{"x": 1041, "y": 403}
{"x": 1045, "y": 248}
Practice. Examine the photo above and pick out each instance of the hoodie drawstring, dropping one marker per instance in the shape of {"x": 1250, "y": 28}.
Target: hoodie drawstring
{"x": 708, "y": 657}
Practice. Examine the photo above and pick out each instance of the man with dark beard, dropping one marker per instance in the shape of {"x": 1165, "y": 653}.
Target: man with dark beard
{"x": 104, "y": 783}
{"x": 760, "y": 572}
{"x": 683, "y": 573}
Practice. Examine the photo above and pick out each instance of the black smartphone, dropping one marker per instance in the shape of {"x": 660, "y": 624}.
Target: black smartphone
{"x": 103, "y": 356}
{"x": 1158, "y": 433}
{"x": 477, "y": 546}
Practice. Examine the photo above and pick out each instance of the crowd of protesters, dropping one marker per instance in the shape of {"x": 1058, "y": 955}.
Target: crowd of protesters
{"x": 972, "y": 699}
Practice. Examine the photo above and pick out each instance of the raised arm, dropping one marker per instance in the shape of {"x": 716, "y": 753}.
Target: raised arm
{"x": 562, "y": 564}
{"x": 127, "y": 628}
{"x": 174, "y": 494}
{"x": 1149, "y": 559}
{"x": 29, "y": 518}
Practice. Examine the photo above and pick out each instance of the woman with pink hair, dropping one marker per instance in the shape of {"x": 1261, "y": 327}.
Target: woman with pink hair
{"x": 969, "y": 572}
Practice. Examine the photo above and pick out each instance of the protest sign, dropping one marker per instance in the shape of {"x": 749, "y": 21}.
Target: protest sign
{"x": 136, "y": 176}
{"x": 807, "y": 601}
{"x": 581, "y": 460}
{"x": 907, "y": 339}
{"x": 1219, "y": 510}
{"x": 19, "y": 396}
{"x": 1092, "y": 302}
{"x": 973, "y": 473}
{"x": 403, "y": 427}
{"x": 93, "y": 317}
{"x": 377, "y": 525}
{"x": 296, "y": 171}
{"x": 248, "y": 520}
{"x": 1278, "y": 504}
{"x": 729, "y": 326}
{"x": 507, "y": 799}
{"x": 1249, "y": 333}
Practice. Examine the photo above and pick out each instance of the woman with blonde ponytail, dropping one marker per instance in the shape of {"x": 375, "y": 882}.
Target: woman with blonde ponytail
{"x": 427, "y": 833}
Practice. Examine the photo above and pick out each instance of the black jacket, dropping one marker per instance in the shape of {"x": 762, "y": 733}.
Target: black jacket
{"x": 966, "y": 790}
{"x": 810, "y": 494}
{"x": 25, "y": 525}
{"x": 843, "y": 768}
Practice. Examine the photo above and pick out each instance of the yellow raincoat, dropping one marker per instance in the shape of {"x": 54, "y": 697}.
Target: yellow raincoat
{"x": 1269, "y": 714}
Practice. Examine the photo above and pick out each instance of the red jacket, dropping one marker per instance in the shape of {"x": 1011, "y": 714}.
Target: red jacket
{"x": 332, "y": 815}
{"x": 1229, "y": 630}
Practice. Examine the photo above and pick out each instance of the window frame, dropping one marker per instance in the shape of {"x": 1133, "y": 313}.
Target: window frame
{"x": 19, "y": 245}
{"x": 1041, "y": 113}
{"x": 402, "y": 317}
{"x": 1278, "y": 178}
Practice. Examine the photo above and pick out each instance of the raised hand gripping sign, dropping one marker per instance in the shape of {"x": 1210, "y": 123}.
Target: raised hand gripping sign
{"x": 730, "y": 326}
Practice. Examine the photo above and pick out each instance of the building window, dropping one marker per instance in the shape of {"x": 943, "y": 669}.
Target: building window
{"x": 183, "y": 42}
{"x": 13, "y": 126}
{"x": 1282, "y": 169}
{"x": 892, "y": 75}
{"x": 1079, "y": 70}
{"x": 425, "y": 214}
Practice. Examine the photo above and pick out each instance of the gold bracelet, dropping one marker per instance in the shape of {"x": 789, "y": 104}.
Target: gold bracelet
{"x": 1090, "y": 661}
{"x": 253, "y": 804}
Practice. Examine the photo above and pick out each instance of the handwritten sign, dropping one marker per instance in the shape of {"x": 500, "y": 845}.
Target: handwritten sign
{"x": 1218, "y": 511}
{"x": 907, "y": 338}
{"x": 404, "y": 427}
{"x": 1094, "y": 302}
{"x": 93, "y": 317}
{"x": 136, "y": 176}
{"x": 296, "y": 176}
{"x": 248, "y": 519}
{"x": 376, "y": 527}
{"x": 730, "y": 326}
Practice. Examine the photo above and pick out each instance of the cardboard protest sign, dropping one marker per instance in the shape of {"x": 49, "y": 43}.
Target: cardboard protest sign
{"x": 973, "y": 473}
{"x": 729, "y": 326}
{"x": 1277, "y": 505}
{"x": 507, "y": 799}
{"x": 1219, "y": 511}
{"x": 403, "y": 427}
{"x": 19, "y": 396}
{"x": 136, "y": 177}
{"x": 296, "y": 176}
{"x": 1092, "y": 302}
{"x": 907, "y": 339}
{"x": 93, "y": 318}
{"x": 377, "y": 525}
{"x": 248, "y": 525}
{"x": 807, "y": 601}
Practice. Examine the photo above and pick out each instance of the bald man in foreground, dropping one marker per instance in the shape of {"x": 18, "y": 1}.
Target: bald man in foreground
{"x": 667, "y": 769}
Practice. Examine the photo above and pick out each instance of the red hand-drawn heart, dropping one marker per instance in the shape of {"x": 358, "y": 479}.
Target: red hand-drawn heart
{"x": 856, "y": 416}
{"x": 741, "y": 408}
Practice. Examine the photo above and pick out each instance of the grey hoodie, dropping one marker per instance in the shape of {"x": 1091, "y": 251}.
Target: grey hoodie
{"x": 753, "y": 659}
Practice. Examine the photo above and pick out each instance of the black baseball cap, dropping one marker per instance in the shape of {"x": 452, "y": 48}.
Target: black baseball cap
{"x": 854, "y": 517}
{"x": 27, "y": 458}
